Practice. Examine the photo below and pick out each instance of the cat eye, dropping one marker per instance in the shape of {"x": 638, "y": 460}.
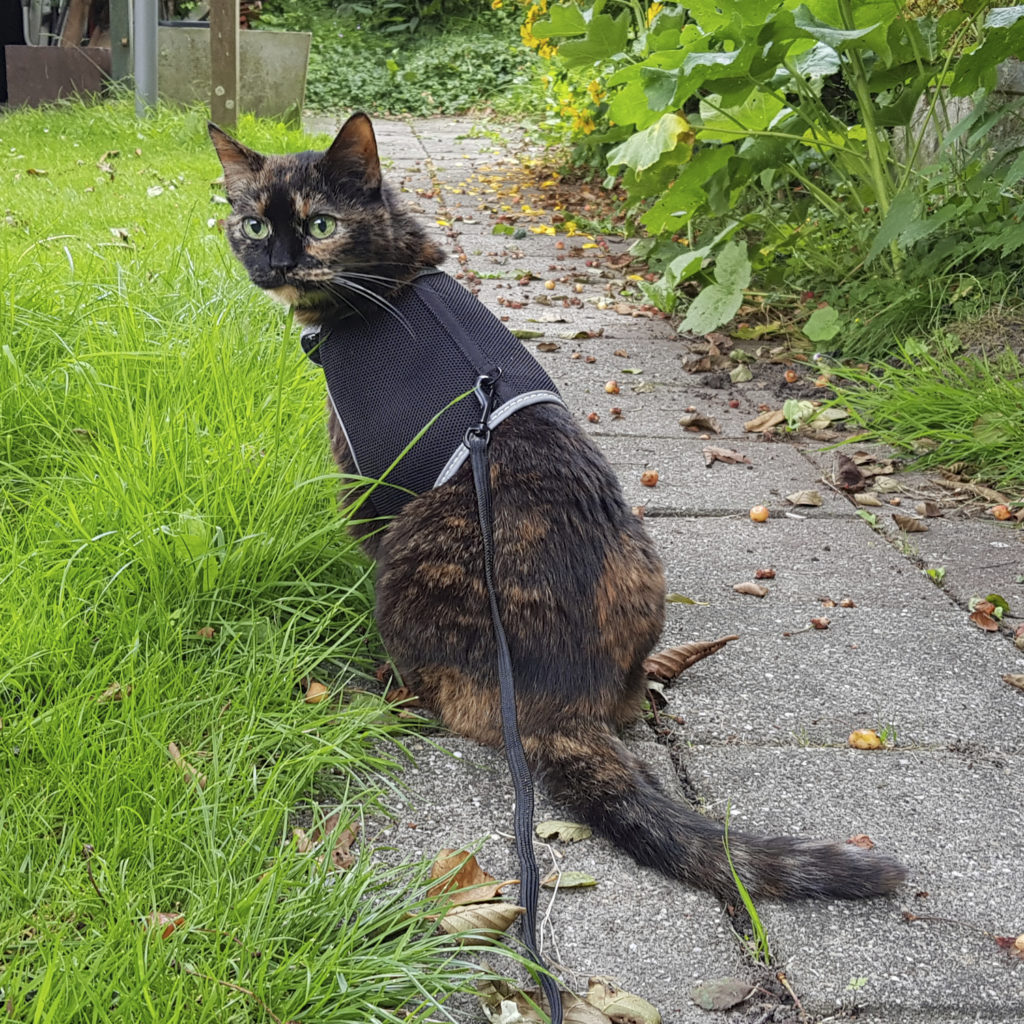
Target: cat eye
{"x": 255, "y": 228}
{"x": 321, "y": 226}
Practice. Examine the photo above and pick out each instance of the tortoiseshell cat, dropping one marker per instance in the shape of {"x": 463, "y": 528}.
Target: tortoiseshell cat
{"x": 581, "y": 588}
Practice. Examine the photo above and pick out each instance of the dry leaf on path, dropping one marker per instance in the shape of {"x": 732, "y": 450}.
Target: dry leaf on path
{"x": 804, "y": 498}
{"x": 909, "y": 524}
{"x": 848, "y": 476}
{"x": 982, "y": 618}
{"x": 462, "y": 879}
{"x": 569, "y": 880}
{"x": 670, "y": 662}
{"x": 865, "y": 842}
{"x": 752, "y": 588}
{"x": 721, "y": 993}
{"x": 867, "y": 499}
{"x": 1014, "y": 679}
{"x": 699, "y": 421}
{"x": 928, "y": 508}
{"x": 567, "y": 831}
{"x": 727, "y": 455}
{"x": 479, "y": 917}
{"x": 620, "y": 1006}
{"x": 765, "y": 421}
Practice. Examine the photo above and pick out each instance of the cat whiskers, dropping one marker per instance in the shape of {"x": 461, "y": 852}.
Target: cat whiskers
{"x": 345, "y": 282}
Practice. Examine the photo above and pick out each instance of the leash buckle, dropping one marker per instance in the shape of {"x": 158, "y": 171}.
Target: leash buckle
{"x": 485, "y": 390}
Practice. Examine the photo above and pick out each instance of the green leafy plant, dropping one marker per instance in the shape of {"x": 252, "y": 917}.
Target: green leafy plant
{"x": 808, "y": 130}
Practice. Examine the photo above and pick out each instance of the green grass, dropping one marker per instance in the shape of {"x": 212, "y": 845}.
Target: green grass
{"x": 163, "y": 468}
{"x": 946, "y": 409}
{"x": 448, "y": 65}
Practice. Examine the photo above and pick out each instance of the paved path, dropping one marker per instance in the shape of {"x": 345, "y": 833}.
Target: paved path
{"x": 764, "y": 722}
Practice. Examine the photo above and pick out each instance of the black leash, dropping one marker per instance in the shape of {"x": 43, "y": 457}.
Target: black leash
{"x": 477, "y": 440}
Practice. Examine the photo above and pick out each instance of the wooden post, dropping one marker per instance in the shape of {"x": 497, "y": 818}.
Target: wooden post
{"x": 224, "y": 62}
{"x": 74, "y": 23}
{"x": 120, "y": 48}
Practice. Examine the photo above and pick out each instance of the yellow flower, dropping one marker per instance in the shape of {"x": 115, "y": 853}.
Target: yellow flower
{"x": 595, "y": 92}
{"x": 495, "y": 5}
{"x": 653, "y": 11}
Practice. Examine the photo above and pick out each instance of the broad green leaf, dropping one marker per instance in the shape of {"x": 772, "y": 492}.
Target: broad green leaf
{"x": 905, "y": 209}
{"x": 723, "y": 124}
{"x": 822, "y": 324}
{"x": 569, "y": 880}
{"x": 689, "y": 193}
{"x": 562, "y": 20}
{"x": 837, "y": 38}
{"x": 606, "y": 36}
{"x": 732, "y": 268}
{"x": 1003, "y": 17}
{"x": 817, "y": 62}
{"x": 644, "y": 149}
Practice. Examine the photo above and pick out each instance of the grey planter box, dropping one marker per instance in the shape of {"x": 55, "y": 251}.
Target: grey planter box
{"x": 272, "y": 70}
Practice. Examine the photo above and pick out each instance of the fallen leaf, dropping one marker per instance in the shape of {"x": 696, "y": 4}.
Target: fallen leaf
{"x": 1015, "y": 679}
{"x": 728, "y": 455}
{"x": 868, "y": 499}
{"x": 569, "y": 880}
{"x": 740, "y": 374}
{"x": 548, "y": 346}
{"x": 479, "y": 917}
{"x": 114, "y": 692}
{"x": 865, "y": 842}
{"x": 342, "y": 857}
{"x": 699, "y": 421}
{"x": 188, "y": 771}
{"x": 908, "y": 524}
{"x": 848, "y": 475}
{"x": 313, "y": 690}
{"x": 462, "y": 878}
{"x": 886, "y": 484}
{"x": 804, "y": 498}
{"x": 656, "y": 693}
{"x": 1014, "y": 945}
{"x": 864, "y": 739}
{"x": 403, "y": 695}
{"x": 670, "y": 662}
{"x": 847, "y": 602}
{"x": 36, "y": 172}
{"x": 822, "y": 622}
{"x": 682, "y": 599}
{"x": 751, "y": 588}
{"x": 567, "y": 831}
{"x": 767, "y": 420}
{"x": 928, "y": 508}
{"x": 618, "y": 1005}
{"x": 984, "y": 620}
{"x": 168, "y": 922}
{"x": 764, "y": 574}
{"x": 206, "y": 632}
{"x": 524, "y": 335}
{"x": 721, "y": 993}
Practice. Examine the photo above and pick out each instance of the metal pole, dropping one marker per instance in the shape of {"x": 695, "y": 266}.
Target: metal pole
{"x": 144, "y": 53}
{"x": 120, "y": 49}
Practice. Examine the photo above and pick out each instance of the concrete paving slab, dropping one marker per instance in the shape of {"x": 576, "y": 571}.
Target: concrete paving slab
{"x": 686, "y": 485}
{"x": 956, "y": 821}
{"x": 930, "y": 678}
{"x": 460, "y": 793}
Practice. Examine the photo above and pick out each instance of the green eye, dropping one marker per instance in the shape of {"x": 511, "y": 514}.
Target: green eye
{"x": 255, "y": 228}
{"x": 321, "y": 226}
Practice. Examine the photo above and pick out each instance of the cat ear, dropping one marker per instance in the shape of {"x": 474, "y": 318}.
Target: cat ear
{"x": 354, "y": 152}
{"x": 239, "y": 162}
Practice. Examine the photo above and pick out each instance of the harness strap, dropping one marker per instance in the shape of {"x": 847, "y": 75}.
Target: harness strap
{"x": 477, "y": 440}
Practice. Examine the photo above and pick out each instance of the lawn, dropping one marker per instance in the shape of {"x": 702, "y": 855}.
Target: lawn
{"x": 173, "y": 564}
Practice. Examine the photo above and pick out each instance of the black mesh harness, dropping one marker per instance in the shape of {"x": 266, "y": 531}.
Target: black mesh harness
{"x": 407, "y": 376}
{"x": 403, "y": 384}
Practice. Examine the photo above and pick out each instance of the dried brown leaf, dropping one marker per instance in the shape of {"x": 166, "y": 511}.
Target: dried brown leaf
{"x": 114, "y": 692}
{"x": 821, "y": 622}
{"x": 618, "y": 1005}
{"x": 867, "y": 499}
{"x": 865, "y": 842}
{"x": 751, "y": 588}
{"x": 403, "y": 695}
{"x": 670, "y": 662}
{"x": 190, "y": 773}
{"x": 548, "y": 346}
{"x": 848, "y": 475}
{"x": 909, "y": 524}
{"x": 699, "y": 421}
{"x": 928, "y": 508}
{"x": 462, "y": 879}
{"x": 767, "y": 420}
{"x": 804, "y": 498}
{"x": 764, "y": 574}
{"x": 984, "y": 620}
{"x": 1014, "y": 679}
{"x": 728, "y": 455}
{"x": 721, "y": 993}
{"x": 479, "y": 917}
{"x": 168, "y": 923}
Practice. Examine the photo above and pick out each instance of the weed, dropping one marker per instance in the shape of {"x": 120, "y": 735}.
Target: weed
{"x": 757, "y": 943}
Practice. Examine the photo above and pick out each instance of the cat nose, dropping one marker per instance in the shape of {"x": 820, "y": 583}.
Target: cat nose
{"x": 283, "y": 256}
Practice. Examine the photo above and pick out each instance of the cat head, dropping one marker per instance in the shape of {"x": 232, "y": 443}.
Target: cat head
{"x": 320, "y": 231}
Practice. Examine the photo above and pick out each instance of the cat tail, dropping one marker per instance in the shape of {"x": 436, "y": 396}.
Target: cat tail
{"x": 603, "y": 784}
